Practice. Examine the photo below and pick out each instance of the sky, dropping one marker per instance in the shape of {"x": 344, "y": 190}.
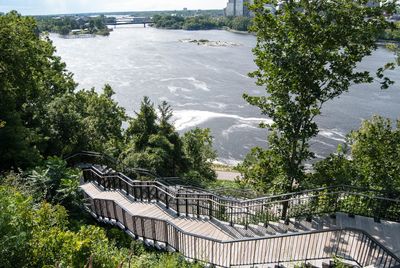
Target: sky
{"x": 43, "y": 7}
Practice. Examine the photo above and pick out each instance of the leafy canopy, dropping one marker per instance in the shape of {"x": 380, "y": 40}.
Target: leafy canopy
{"x": 307, "y": 53}
{"x": 372, "y": 161}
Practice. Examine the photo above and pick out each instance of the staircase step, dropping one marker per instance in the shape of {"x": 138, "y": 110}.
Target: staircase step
{"x": 266, "y": 230}
{"x": 256, "y": 230}
{"x": 277, "y": 227}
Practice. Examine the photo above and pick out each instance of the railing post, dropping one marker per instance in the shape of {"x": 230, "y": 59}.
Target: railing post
{"x": 114, "y": 212}
{"x": 210, "y": 209}
{"x": 166, "y": 200}
{"x": 176, "y": 240}
{"x": 198, "y": 208}
{"x": 124, "y": 219}
{"x": 166, "y": 235}
{"x": 231, "y": 221}
{"x": 246, "y": 225}
{"x": 177, "y": 204}
{"x": 157, "y": 197}
{"x": 153, "y": 230}
{"x": 230, "y": 255}
{"x": 101, "y": 209}
{"x": 134, "y": 193}
{"x": 135, "y": 232}
{"x": 187, "y": 205}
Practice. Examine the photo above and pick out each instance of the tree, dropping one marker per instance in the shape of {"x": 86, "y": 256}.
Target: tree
{"x": 241, "y": 23}
{"x": 197, "y": 145}
{"x": 372, "y": 161}
{"x": 31, "y": 75}
{"x": 103, "y": 119}
{"x": 375, "y": 153}
{"x": 143, "y": 126}
{"x": 336, "y": 169}
{"x": 371, "y": 164}
{"x": 153, "y": 143}
{"x": 307, "y": 53}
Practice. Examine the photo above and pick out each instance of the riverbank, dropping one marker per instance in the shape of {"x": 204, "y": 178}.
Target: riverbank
{"x": 238, "y": 32}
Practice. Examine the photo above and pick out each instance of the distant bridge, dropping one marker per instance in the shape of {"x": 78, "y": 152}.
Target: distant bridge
{"x": 130, "y": 20}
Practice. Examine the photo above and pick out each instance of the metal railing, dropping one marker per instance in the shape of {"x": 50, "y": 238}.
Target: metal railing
{"x": 347, "y": 243}
{"x": 253, "y": 211}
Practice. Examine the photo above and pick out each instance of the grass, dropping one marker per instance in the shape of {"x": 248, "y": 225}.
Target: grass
{"x": 222, "y": 167}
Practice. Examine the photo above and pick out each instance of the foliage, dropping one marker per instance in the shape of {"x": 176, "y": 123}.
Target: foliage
{"x": 30, "y": 76}
{"x": 153, "y": 143}
{"x": 15, "y": 228}
{"x": 64, "y": 25}
{"x": 38, "y": 235}
{"x": 84, "y": 120}
{"x": 201, "y": 22}
{"x": 306, "y": 53}
{"x": 240, "y": 23}
{"x": 391, "y": 33}
{"x": 168, "y": 22}
{"x": 373, "y": 162}
{"x": 375, "y": 150}
{"x": 336, "y": 169}
{"x": 197, "y": 146}
{"x": 54, "y": 182}
{"x": 371, "y": 165}
{"x": 263, "y": 169}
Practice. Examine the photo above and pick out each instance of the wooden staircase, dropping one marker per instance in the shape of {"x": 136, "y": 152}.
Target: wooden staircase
{"x": 217, "y": 243}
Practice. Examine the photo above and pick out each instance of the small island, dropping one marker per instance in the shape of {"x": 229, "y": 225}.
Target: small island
{"x": 210, "y": 43}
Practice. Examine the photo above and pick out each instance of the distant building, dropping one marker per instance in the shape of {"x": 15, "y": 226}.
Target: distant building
{"x": 237, "y": 8}
{"x": 185, "y": 9}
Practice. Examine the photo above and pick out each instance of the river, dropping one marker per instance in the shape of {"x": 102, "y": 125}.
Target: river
{"x": 204, "y": 85}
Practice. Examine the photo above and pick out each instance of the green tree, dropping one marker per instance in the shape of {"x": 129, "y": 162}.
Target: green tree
{"x": 375, "y": 152}
{"x": 336, "y": 169}
{"x": 241, "y": 23}
{"x": 307, "y": 54}
{"x": 143, "y": 126}
{"x": 371, "y": 163}
{"x": 84, "y": 120}
{"x": 31, "y": 75}
{"x": 102, "y": 121}
{"x": 153, "y": 143}
{"x": 176, "y": 162}
{"x": 197, "y": 145}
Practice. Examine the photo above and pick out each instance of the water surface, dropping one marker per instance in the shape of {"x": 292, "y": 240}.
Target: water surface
{"x": 204, "y": 84}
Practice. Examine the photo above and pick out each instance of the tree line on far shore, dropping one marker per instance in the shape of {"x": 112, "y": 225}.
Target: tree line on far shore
{"x": 202, "y": 22}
